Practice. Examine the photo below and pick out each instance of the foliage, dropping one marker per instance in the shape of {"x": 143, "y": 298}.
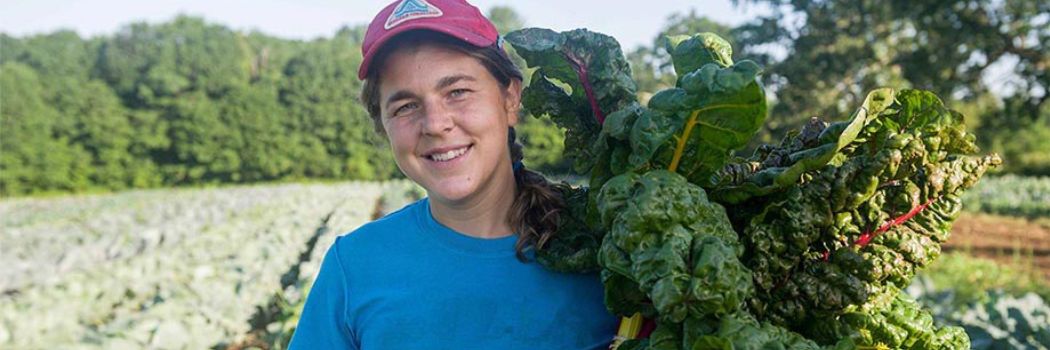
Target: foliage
{"x": 864, "y": 221}
{"x": 543, "y": 141}
{"x": 832, "y": 52}
{"x": 1008, "y": 322}
{"x": 396, "y": 195}
{"x": 32, "y": 158}
{"x": 182, "y": 103}
{"x": 187, "y": 102}
{"x": 668, "y": 243}
{"x": 892, "y": 320}
{"x": 822, "y": 230}
{"x": 581, "y": 107}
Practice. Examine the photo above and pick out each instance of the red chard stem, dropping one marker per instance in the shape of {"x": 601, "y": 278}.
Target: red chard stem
{"x": 581, "y": 72}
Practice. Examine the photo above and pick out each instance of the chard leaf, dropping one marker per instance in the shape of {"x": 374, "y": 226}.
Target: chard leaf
{"x": 716, "y": 110}
{"x": 574, "y": 247}
{"x": 545, "y": 97}
{"x": 780, "y": 175}
{"x": 861, "y": 222}
{"x": 689, "y": 53}
{"x": 594, "y": 68}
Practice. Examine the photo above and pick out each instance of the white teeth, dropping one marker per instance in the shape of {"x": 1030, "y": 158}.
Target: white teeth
{"x": 447, "y": 156}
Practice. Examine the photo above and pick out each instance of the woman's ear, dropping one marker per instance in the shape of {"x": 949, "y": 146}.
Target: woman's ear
{"x": 512, "y": 102}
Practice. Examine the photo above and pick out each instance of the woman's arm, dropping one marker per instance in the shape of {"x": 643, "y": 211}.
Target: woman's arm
{"x": 323, "y": 323}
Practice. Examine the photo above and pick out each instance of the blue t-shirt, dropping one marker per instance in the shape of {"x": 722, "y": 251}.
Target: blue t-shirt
{"x": 408, "y": 282}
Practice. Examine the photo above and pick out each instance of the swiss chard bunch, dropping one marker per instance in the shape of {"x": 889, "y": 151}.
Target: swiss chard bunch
{"x": 583, "y": 83}
{"x": 802, "y": 240}
{"x": 666, "y": 251}
{"x": 875, "y": 212}
{"x": 672, "y": 255}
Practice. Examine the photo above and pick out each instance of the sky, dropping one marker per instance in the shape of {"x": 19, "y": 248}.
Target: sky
{"x": 632, "y": 25}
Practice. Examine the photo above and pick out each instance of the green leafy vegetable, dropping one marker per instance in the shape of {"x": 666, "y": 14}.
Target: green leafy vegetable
{"x": 804, "y": 245}
{"x": 679, "y": 248}
{"x": 576, "y": 247}
{"x": 869, "y": 218}
{"x": 596, "y": 73}
{"x": 892, "y": 320}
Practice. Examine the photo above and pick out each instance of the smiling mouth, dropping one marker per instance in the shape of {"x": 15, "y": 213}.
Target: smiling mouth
{"x": 448, "y": 156}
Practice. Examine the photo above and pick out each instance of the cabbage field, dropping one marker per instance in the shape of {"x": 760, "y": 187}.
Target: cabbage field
{"x": 165, "y": 269}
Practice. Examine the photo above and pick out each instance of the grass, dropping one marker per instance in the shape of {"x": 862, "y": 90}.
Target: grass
{"x": 972, "y": 277}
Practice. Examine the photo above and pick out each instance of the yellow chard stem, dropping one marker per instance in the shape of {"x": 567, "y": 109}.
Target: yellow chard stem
{"x": 689, "y": 124}
{"x": 680, "y": 147}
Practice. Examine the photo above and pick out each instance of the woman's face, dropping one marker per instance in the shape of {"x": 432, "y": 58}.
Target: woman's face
{"x": 446, "y": 118}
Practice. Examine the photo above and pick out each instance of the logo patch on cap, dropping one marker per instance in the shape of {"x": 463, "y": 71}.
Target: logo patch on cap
{"x": 411, "y": 9}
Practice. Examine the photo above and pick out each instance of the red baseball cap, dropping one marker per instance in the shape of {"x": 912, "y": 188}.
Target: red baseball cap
{"x": 453, "y": 17}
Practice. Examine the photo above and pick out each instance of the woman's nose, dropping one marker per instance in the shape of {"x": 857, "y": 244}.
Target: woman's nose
{"x": 438, "y": 119}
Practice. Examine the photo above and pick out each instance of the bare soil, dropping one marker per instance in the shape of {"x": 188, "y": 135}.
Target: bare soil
{"x": 1003, "y": 239}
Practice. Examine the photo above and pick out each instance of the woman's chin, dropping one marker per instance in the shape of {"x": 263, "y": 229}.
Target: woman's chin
{"x": 450, "y": 192}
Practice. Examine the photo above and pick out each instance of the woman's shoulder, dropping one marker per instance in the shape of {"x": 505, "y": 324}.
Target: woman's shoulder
{"x": 383, "y": 229}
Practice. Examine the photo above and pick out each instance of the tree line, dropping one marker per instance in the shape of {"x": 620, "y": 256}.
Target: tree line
{"x": 179, "y": 103}
{"x": 188, "y": 102}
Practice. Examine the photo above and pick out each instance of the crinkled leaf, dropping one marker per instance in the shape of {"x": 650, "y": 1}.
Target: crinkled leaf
{"x": 676, "y": 246}
{"x": 892, "y": 320}
{"x": 689, "y": 53}
{"x": 793, "y": 162}
{"x": 717, "y": 110}
{"x": 574, "y": 247}
{"x": 594, "y": 68}
{"x": 864, "y": 221}
{"x": 741, "y": 331}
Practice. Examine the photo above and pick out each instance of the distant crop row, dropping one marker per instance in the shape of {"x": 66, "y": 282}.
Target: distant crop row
{"x": 1010, "y": 195}
{"x": 176, "y": 269}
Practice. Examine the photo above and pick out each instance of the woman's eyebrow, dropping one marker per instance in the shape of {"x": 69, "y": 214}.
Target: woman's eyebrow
{"x": 399, "y": 95}
{"x": 452, "y": 79}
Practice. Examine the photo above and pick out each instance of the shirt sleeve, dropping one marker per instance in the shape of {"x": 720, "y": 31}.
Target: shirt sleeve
{"x": 323, "y": 323}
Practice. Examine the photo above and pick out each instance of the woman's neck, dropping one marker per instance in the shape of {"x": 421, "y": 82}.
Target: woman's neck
{"x": 484, "y": 215}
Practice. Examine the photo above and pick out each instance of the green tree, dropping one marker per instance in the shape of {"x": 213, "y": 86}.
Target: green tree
{"x": 335, "y": 137}
{"x": 144, "y": 62}
{"x": 203, "y": 147}
{"x": 835, "y": 51}
{"x": 258, "y": 135}
{"x": 93, "y": 118}
{"x": 32, "y": 158}
{"x": 59, "y": 54}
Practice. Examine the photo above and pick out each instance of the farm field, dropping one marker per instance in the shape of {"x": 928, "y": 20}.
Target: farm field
{"x": 164, "y": 269}
{"x": 1007, "y": 219}
{"x": 228, "y": 268}
{"x": 1009, "y": 240}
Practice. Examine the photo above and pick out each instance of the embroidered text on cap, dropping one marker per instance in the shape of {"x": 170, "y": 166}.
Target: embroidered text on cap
{"x": 409, "y": 10}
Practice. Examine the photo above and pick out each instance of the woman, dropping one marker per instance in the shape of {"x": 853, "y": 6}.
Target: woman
{"x": 451, "y": 271}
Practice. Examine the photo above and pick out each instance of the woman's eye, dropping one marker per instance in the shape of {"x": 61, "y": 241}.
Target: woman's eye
{"x": 405, "y": 108}
{"x": 459, "y": 93}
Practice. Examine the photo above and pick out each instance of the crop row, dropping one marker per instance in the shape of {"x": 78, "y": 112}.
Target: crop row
{"x": 183, "y": 269}
{"x": 1010, "y": 195}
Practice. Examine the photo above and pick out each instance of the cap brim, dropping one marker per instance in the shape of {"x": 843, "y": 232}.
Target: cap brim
{"x": 469, "y": 37}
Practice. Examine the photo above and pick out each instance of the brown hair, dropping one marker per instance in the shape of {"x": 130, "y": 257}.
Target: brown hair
{"x": 535, "y": 212}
